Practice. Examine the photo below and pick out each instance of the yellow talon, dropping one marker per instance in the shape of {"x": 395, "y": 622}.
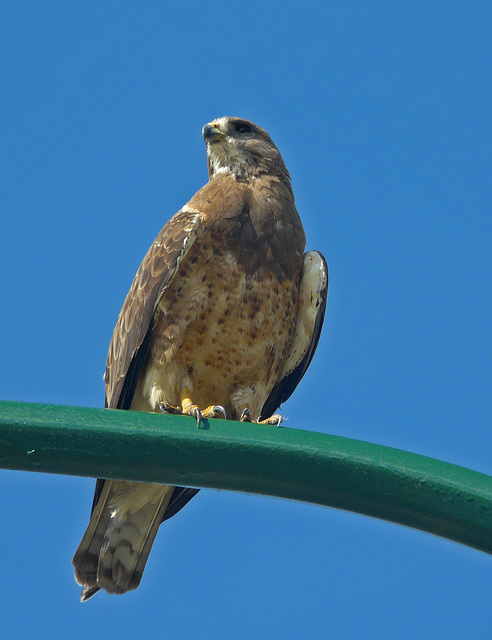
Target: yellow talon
{"x": 190, "y": 409}
{"x": 213, "y": 410}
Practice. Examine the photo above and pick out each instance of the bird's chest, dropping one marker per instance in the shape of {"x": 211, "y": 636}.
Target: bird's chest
{"x": 220, "y": 327}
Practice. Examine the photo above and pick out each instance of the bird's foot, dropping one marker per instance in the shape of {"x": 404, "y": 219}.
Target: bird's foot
{"x": 273, "y": 420}
{"x": 213, "y": 411}
{"x": 190, "y": 409}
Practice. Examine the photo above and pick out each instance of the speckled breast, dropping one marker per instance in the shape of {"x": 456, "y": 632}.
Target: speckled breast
{"x": 223, "y": 330}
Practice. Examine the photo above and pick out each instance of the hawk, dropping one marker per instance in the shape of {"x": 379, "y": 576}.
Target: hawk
{"x": 222, "y": 320}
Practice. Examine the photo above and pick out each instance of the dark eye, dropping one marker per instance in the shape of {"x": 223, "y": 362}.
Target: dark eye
{"x": 243, "y": 128}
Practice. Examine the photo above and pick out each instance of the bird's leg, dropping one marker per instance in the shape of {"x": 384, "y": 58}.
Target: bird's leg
{"x": 188, "y": 408}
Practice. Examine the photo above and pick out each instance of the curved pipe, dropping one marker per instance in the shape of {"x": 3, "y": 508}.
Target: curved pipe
{"x": 410, "y": 489}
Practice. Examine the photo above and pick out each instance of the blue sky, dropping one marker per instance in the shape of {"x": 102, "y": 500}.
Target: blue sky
{"x": 382, "y": 113}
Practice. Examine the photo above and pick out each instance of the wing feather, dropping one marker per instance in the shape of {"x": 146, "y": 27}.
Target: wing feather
{"x": 313, "y": 290}
{"x": 131, "y": 337}
{"x": 154, "y": 274}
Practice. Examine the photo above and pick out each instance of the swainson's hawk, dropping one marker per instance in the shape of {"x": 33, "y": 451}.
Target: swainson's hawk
{"x": 223, "y": 317}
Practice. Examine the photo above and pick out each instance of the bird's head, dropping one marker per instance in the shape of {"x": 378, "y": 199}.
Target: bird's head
{"x": 240, "y": 147}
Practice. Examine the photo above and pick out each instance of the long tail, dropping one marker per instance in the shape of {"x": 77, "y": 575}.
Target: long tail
{"x": 115, "y": 547}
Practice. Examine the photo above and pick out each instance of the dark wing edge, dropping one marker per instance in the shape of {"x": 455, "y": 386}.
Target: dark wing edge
{"x": 131, "y": 337}
{"x": 313, "y": 291}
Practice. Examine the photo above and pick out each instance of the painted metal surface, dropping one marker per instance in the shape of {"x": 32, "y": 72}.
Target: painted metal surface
{"x": 417, "y": 491}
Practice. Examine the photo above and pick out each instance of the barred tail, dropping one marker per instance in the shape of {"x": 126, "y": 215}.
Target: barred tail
{"x": 123, "y": 525}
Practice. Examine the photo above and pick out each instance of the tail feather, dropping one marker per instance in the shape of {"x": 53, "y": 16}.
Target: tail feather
{"x": 88, "y": 592}
{"x": 86, "y": 557}
{"x": 114, "y": 550}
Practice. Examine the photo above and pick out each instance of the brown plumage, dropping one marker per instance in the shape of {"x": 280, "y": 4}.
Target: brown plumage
{"x": 224, "y": 310}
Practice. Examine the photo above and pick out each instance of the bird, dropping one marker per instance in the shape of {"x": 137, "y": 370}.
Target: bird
{"x": 221, "y": 321}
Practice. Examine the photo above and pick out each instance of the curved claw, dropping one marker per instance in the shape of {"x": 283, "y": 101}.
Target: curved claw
{"x": 274, "y": 420}
{"x": 246, "y": 415}
{"x": 218, "y": 408}
{"x": 279, "y": 419}
{"x": 198, "y": 415}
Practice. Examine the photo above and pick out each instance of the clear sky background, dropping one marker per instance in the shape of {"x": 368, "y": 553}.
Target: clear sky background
{"x": 382, "y": 111}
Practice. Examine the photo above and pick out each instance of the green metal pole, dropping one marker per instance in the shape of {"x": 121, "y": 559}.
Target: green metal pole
{"x": 407, "y": 488}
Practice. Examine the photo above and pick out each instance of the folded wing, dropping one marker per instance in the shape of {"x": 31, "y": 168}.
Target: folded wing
{"x": 313, "y": 290}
